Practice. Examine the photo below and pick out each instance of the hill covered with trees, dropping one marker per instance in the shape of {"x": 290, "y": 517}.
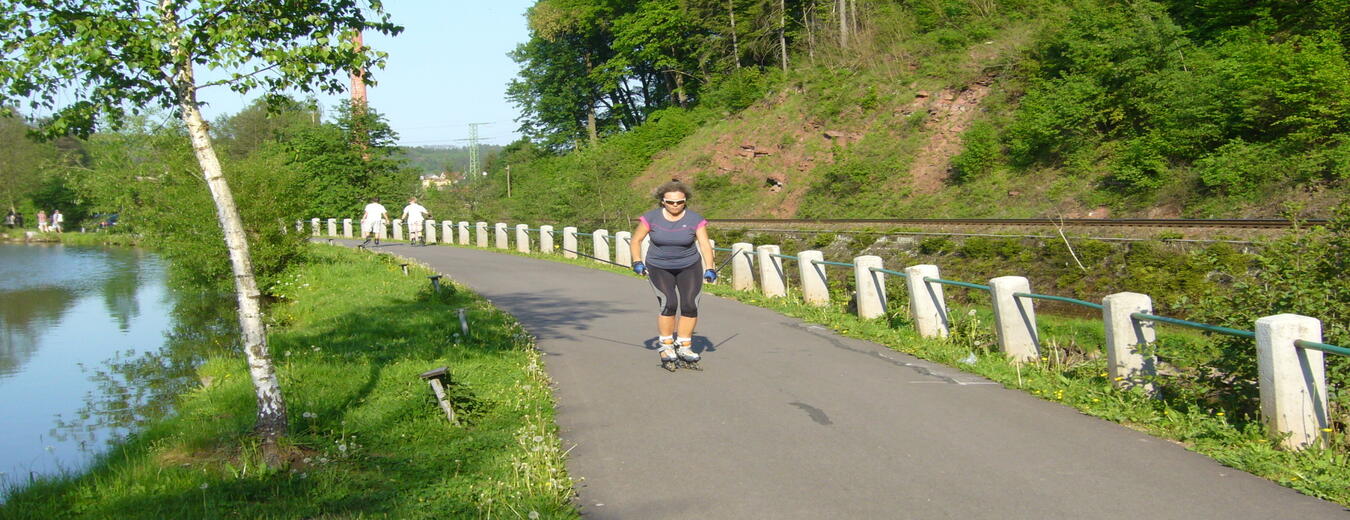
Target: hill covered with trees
{"x": 853, "y": 108}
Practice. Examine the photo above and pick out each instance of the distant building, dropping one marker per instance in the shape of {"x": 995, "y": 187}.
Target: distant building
{"x": 441, "y": 180}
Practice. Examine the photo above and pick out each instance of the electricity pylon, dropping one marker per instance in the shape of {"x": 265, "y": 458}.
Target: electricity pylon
{"x": 474, "y": 167}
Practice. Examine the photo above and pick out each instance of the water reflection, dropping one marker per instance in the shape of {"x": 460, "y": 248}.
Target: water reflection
{"x": 92, "y": 344}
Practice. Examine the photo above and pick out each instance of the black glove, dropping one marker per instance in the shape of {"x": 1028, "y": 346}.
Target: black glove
{"x": 710, "y": 275}
{"x": 640, "y": 268}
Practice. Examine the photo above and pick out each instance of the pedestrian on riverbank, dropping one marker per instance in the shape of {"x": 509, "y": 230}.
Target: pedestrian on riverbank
{"x": 58, "y": 220}
{"x": 9, "y": 219}
{"x": 42, "y": 221}
{"x": 373, "y": 217}
{"x": 415, "y": 215}
{"x": 678, "y": 262}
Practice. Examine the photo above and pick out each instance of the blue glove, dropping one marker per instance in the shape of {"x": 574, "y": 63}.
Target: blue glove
{"x": 640, "y": 268}
{"x": 710, "y": 275}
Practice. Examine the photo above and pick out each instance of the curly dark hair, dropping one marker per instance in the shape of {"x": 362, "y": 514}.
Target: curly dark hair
{"x": 673, "y": 185}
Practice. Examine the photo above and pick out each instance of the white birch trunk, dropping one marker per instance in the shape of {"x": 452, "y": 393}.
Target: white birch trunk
{"x": 735, "y": 45}
{"x": 782, "y": 32}
{"x": 271, "y": 422}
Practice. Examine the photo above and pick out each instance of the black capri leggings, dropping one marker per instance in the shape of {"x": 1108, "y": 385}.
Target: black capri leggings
{"x": 677, "y": 286}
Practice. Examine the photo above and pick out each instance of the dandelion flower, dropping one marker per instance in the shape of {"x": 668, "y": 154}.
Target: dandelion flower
{"x": 205, "y": 485}
{"x": 1220, "y": 414}
{"x": 538, "y": 438}
{"x": 1328, "y": 430}
{"x": 342, "y": 448}
{"x": 534, "y": 515}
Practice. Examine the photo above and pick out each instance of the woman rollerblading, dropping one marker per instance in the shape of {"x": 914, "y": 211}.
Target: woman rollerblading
{"x": 677, "y": 264}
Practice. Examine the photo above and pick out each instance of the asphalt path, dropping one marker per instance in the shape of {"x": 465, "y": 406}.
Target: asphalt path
{"x": 788, "y": 420}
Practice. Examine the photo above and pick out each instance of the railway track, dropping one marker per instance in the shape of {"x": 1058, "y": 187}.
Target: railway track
{"x": 1035, "y": 222}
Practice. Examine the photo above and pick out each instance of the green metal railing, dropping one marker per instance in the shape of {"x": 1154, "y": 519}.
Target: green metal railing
{"x": 956, "y": 283}
{"x": 1323, "y": 347}
{"x": 1332, "y": 349}
{"x": 1194, "y": 325}
{"x": 1050, "y": 297}
{"x": 887, "y": 271}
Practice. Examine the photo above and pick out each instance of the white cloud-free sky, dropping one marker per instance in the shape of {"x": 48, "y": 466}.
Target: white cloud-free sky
{"x": 448, "y": 68}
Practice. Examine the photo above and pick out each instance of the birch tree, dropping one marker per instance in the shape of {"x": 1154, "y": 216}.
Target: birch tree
{"x": 91, "y": 63}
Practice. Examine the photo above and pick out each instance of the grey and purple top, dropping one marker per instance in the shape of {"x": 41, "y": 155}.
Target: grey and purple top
{"x": 674, "y": 244}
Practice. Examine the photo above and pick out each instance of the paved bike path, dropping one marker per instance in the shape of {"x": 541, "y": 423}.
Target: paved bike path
{"x": 789, "y": 420}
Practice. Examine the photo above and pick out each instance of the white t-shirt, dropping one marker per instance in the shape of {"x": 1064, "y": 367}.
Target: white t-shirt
{"x": 415, "y": 212}
{"x": 374, "y": 211}
{"x": 58, "y": 218}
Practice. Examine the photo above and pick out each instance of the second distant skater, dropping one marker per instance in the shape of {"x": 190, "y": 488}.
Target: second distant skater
{"x": 415, "y": 215}
{"x": 372, "y": 219}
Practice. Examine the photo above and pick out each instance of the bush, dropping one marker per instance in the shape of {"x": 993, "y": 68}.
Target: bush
{"x": 981, "y": 154}
{"x": 1239, "y": 168}
{"x": 1300, "y": 273}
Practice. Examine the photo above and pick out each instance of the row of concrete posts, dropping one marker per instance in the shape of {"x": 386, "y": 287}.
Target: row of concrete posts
{"x": 1292, "y": 378}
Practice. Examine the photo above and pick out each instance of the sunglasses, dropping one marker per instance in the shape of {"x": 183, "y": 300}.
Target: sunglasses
{"x": 673, "y": 202}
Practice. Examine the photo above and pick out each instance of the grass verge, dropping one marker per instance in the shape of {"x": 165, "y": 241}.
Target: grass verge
{"x": 1072, "y": 372}
{"x": 349, "y": 338}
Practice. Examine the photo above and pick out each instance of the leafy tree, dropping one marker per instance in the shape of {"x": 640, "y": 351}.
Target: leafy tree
{"x": 335, "y": 172}
{"x": 114, "y": 57}
{"x": 21, "y": 161}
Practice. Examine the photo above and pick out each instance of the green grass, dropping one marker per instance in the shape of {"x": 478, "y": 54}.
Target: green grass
{"x": 349, "y": 338}
{"x": 1072, "y": 371}
{"x": 97, "y": 239}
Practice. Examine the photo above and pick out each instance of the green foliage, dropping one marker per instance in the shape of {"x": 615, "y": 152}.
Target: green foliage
{"x": 152, "y": 179}
{"x": 981, "y": 153}
{"x": 1302, "y": 272}
{"x": 338, "y": 167}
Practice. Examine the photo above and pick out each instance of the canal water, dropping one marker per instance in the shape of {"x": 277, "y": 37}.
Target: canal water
{"x": 92, "y": 343}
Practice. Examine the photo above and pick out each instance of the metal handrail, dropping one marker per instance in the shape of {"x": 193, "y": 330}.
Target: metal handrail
{"x": 1194, "y": 325}
{"x": 827, "y": 262}
{"x": 956, "y": 283}
{"x": 1097, "y": 306}
{"x": 887, "y": 271}
{"x": 1333, "y": 349}
{"x": 727, "y": 249}
{"x": 789, "y": 257}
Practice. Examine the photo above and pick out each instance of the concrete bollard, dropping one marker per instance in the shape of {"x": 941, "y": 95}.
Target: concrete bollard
{"x": 398, "y": 229}
{"x": 1293, "y": 379}
{"x": 522, "y": 238}
{"x": 1014, "y": 318}
{"x": 299, "y": 226}
{"x": 814, "y": 289}
{"x": 481, "y": 237}
{"x": 463, "y": 233}
{"x": 499, "y": 232}
{"x": 382, "y": 230}
{"x": 871, "y": 287}
{"x": 429, "y": 231}
{"x": 623, "y": 250}
{"x": 1126, "y": 340}
{"x": 742, "y": 275}
{"x": 771, "y": 280}
{"x": 546, "y": 239}
{"x": 332, "y": 227}
{"x": 447, "y": 231}
{"x": 569, "y": 242}
{"x": 600, "y": 245}
{"x": 314, "y": 227}
{"x": 926, "y": 302}
{"x": 347, "y": 227}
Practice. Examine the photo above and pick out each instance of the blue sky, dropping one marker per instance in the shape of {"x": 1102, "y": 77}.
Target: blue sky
{"x": 448, "y": 68}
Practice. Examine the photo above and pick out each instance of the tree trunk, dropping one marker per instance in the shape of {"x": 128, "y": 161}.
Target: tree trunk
{"x": 271, "y": 422}
{"x": 679, "y": 89}
{"x": 735, "y": 47}
{"x": 591, "y": 131}
{"x": 810, "y": 33}
{"x": 843, "y": 23}
{"x": 782, "y": 32}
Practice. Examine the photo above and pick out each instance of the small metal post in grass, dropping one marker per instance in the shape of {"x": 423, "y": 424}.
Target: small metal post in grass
{"x": 464, "y": 323}
{"x": 435, "y": 283}
{"x": 405, "y": 269}
{"x": 439, "y": 379}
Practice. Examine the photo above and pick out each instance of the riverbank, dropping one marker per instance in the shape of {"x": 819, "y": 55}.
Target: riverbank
{"x": 349, "y": 338}
{"x": 30, "y": 236}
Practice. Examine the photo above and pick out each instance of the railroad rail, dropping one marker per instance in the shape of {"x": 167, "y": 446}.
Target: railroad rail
{"x": 1068, "y": 222}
